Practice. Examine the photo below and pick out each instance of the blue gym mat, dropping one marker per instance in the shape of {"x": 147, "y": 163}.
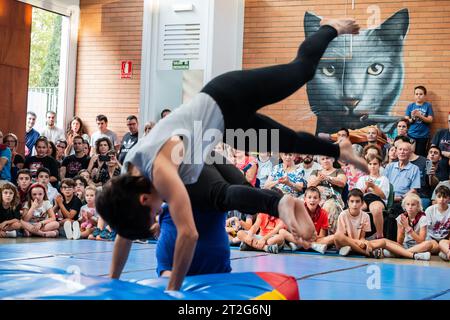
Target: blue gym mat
{"x": 327, "y": 277}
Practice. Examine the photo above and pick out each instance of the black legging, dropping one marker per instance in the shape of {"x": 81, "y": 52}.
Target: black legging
{"x": 240, "y": 94}
{"x": 223, "y": 187}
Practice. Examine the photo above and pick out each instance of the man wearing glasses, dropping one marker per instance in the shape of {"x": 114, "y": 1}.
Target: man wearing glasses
{"x": 130, "y": 138}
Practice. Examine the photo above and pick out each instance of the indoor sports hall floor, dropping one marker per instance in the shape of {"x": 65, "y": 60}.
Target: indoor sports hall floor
{"x": 328, "y": 277}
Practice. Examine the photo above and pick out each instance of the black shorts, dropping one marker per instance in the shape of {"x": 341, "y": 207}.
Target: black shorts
{"x": 370, "y": 197}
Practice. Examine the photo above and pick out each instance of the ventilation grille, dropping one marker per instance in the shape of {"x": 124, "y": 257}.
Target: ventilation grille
{"x": 181, "y": 42}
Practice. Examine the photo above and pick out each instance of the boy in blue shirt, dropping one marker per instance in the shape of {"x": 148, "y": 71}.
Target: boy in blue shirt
{"x": 420, "y": 115}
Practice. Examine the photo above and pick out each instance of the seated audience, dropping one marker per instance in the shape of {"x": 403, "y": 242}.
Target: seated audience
{"x": 9, "y": 211}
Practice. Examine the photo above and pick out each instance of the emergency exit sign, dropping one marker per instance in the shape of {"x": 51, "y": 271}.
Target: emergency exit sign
{"x": 180, "y": 65}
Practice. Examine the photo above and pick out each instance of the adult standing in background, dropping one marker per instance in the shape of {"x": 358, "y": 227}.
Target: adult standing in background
{"x": 51, "y": 131}
{"x": 103, "y": 131}
{"x": 130, "y": 138}
{"x": 31, "y": 135}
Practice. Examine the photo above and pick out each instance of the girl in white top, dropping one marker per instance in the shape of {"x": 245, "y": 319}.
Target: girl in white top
{"x": 38, "y": 216}
{"x": 376, "y": 191}
{"x": 411, "y": 234}
{"x": 438, "y": 218}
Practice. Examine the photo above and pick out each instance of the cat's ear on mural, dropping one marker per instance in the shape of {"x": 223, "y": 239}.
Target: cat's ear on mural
{"x": 397, "y": 25}
{"x": 311, "y": 23}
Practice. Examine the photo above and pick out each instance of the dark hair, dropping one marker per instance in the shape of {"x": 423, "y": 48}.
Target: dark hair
{"x": 356, "y": 193}
{"x": 97, "y": 144}
{"x": 132, "y": 117}
{"x": 78, "y": 138}
{"x": 404, "y": 139}
{"x": 68, "y": 181}
{"x": 16, "y": 199}
{"x": 50, "y": 143}
{"x": 31, "y": 113}
{"x": 346, "y": 130}
{"x": 83, "y": 180}
{"x": 118, "y": 204}
{"x": 165, "y": 110}
{"x": 442, "y": 191}
{"x": 405, "y": 121}
{"x": 62, "y": 141}
{"x": 435, "y": 147}
{"x": 421, "y": 88}
{"x": 41, "y": 139}
{"x": 69, "y": 126}
{"x": 312, "y": 189}
{"x": 24, "y": 171}
{"x": 45, "y": 170}
{"x": 101, "y": 117}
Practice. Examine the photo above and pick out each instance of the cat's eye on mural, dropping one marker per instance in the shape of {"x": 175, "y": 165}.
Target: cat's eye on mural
{"x": 329, "y": 70}
{"x": 375, "y": 69}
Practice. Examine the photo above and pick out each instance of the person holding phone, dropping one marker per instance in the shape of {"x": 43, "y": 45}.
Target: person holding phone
{"x": 100, "y": 158}
{"x": 111, "y": 167}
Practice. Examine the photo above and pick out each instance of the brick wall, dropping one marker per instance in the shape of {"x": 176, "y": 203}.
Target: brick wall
{"x": 274, "y": 28}
{"x": 110, "y": 31}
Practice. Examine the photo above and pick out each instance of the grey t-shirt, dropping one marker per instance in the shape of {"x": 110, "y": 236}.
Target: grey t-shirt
{"x": 108, "y": 134}
{"x": 200, "y": 124}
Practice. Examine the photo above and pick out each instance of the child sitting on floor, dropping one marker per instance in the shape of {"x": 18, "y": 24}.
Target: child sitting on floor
{"x": 88, "y": 214}
{"x": 352, "y": 226}
{"x": 38, "y": 217}
{"x": 438, "y": 221}
{"x": 9, "y": 211}
{"x": 268, "y": 239}
{"x": 320, "y": 219}
{"x": 411, "y": 234}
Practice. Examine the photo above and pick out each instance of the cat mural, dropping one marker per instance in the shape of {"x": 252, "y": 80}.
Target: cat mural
{"x": 360, "y": 77}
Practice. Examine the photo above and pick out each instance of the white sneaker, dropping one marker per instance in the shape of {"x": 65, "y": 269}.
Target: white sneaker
{"x": 293, "y": 246}
{"x": 76, "y": 230}
{"x": 387, "y": 254}
{"x": 443, "y": 256}
{"x": 344, "y": 251}
{"x": 422, "y": 256}
{"x": 11, "y": 234}
{"x": 68, "y": 230}
{"x": 321, "y": 248}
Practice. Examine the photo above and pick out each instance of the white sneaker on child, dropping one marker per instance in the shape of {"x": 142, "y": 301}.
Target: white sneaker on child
{"x": 344, "y": 251}
{"x": 11, "y": 234}
{"x": 68, "y": 230}
{"x": 443, "y": 256}
{"x": 321, "y": 248}
{"x": 293, "y": 246}
{"x": 422, "y": 256}
{"x": 387, "y": 254}
{"x": 272, "y": 248}
{"x": 76, "y": 230}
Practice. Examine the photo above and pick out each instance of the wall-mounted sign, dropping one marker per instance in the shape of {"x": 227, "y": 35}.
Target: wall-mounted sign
{"x": 180, "y": 65}
{"x": 126, "y": 69}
